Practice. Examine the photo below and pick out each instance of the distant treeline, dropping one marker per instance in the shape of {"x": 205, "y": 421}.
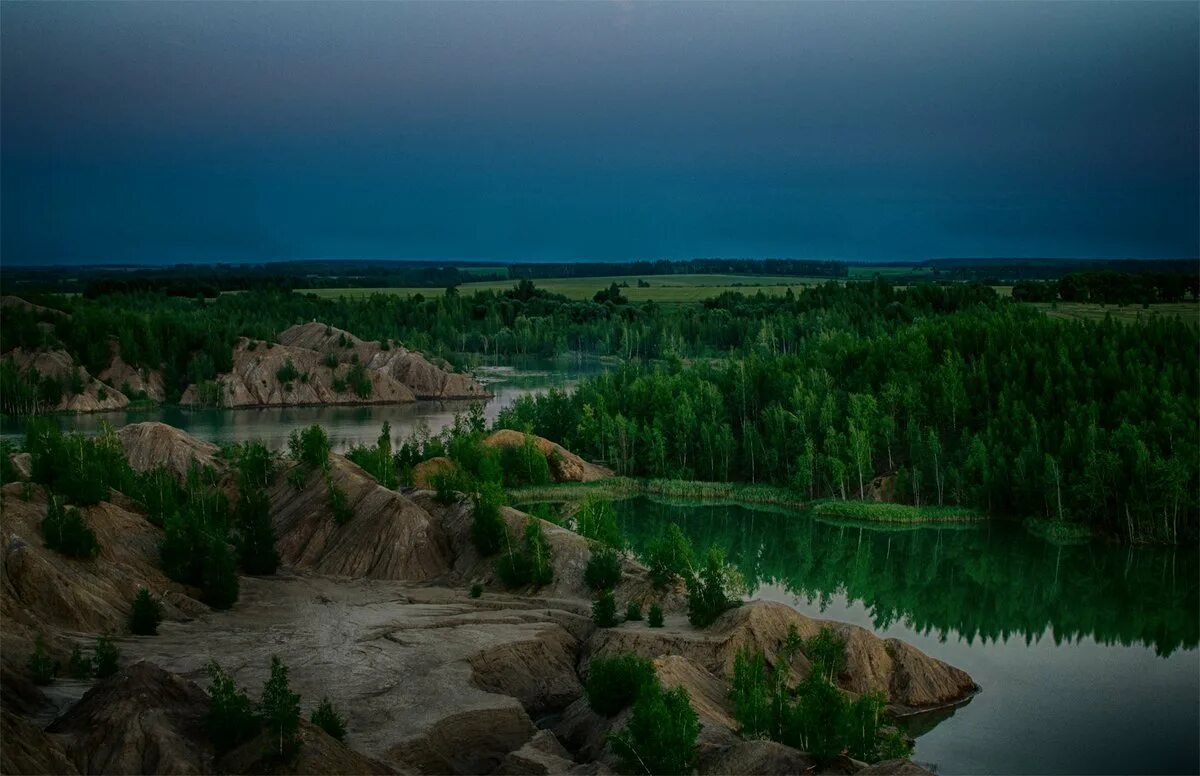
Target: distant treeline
{"x": 1111, "y": 288}
{"x": 1003, "y": 271}
{"x": 192, "y": 280}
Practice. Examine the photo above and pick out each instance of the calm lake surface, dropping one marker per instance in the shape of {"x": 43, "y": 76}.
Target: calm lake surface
{"x": 1087, "y": 655}
{"x": 346, "y": 425}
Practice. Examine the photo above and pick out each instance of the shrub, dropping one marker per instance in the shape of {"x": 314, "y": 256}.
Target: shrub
{"x": 603, "y": 569}
{"x": 331, "y": 360}
{"x": 476, "y": 590}
{"x": 146, "y": 614}
{"x": 280, "y": 710}
{"x": 339, "y": 505}
{"x": 759, "y": 702}
{"x": 359, "y": 381}
{"x": 65, "y": 531}
{"x": 326, "y": 717}
{"x": 255, "y": 464}
{"x": 615, "y": 682}
{"x": 708, "y": 591}
{"x": 892, "y": 745}
{"x": 231, "y": 717}
{"x": 604, "y": 610}
{"x": 525, "y": 464}
{"x": 488, "y": 529}
{"x": 42, "y": 667}
{"x": 106, "y": 656}
{"x": 513, "y": 568}
{"x": 669, "y": 555}
{"x": 661, "y": 735}
{"x": 655, "y": 616}
{"x": 287, "y": 373}
{"x": 633, "y": 611}
{"x": 78, "y": 666}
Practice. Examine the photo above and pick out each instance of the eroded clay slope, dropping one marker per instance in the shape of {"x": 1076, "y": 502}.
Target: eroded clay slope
{"x": 426, "y": 379}
{"x": 95, "y": 396}
{"x": 152, "y": 444}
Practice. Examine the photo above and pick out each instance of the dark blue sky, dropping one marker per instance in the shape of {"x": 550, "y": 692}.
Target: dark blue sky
{"x": 171, "y": 131}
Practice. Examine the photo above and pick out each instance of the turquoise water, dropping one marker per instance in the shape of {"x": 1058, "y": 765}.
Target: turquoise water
{"x": 1087, "y": 655}
{"x": 346, "y": 425}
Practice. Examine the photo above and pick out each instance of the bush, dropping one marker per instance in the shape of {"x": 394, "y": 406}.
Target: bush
{"x": 146, "y": 614}
{"x": 488, "y": 529}
{"x": 525, "y": 464}
{"x": 476, "y": 590}
{"x": 339, "y": 505}
{"x": 615, "y": 682}
{"x": 42, "y": 667}
{"x": 661, "y": 735}
{"x": 106, "y": 656}
{"x": 286, "y": 373}
{"x": 538, "y": 549}
{"x": 604, "y": 610}
{"x": 655, "y": 617}
{"x": 65, "y": 531}
{"x": 231, "y": 717}
{"x": 297, "y": 477}
{"x": 633, "y": 611}
{"x": 280, "y": 710}
{"x": 326, "y": 717}
{"x": 816, "y": 722}
{"x": 603, "y": 569}
{"x": 78, "y": 666}
{"x": 669, "y": 555}
{"x": 708, "y": 591}
{"x": 359, "y": 381}
{"x": 513, "y": 568}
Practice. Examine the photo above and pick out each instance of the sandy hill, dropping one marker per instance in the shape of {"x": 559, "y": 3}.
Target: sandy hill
{"x": 426, "y": 379}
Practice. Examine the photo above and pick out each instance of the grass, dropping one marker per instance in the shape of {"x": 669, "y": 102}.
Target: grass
{"x": 881, "y": 512}
{"x": 625, "y": 487}
{"x": 663, "y": 288}
{"x": 1058, "y": 531}
{"x": 1189, "y": 312}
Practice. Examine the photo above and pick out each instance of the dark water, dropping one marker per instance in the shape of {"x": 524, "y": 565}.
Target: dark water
{"x": 346, "y": 425}
{"x": 1087, "y": 656}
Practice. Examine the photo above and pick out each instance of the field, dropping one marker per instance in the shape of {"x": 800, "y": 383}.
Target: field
{"x": 1189, "y": 312}
{"x": 663, "y": 288}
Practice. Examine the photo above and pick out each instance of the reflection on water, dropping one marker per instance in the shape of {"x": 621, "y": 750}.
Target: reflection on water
{"x": 347, "y": 425}
{"x": 1087, "y": 655}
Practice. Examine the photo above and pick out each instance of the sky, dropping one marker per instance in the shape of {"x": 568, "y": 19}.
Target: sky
{"x": 170, "y": 132}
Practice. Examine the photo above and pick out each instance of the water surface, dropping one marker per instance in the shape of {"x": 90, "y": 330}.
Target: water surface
{"x": 346, "y": 425}
{"x": 1087, "y": 655}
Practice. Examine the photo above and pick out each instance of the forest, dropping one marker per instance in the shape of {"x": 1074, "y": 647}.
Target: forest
{"x": 967, "y": 398}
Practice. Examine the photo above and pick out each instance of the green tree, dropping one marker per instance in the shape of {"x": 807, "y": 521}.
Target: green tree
{"x": 146, "y": 613}
{"x": 655, "y": 617}
{"x": 255, "y": 538}
{"x": 604, "y": 610}
{"x": 603, "y": 569}
{"x": 326, "y": 717}
{"x": 231, "y": 716}
{"x": 106, "y": 656}
{"x": 42, "y": 667}
{"x": 709, "y": 590}
{"x": 661, "y": 735}
{"x": 614, "y": 682}
{"x": 78, "y": 666}
{"x": 488, "y": 529}
{"x": 633, "y": 611}
{"x": 669, "y": 555}
{"x": 65, "y": 531}
{"x": 280, "y": 711}
{"x": 220, "y": 576}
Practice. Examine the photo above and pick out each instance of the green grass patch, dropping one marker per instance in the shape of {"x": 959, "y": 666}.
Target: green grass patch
{"x": 614, "y": 488}
{"x": 881, "y": 512}
{"x": 1058, "y": 531}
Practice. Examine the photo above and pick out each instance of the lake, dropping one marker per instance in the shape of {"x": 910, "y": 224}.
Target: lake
{"x": 1087, "y": 655}
{"x": 347, "y": 425}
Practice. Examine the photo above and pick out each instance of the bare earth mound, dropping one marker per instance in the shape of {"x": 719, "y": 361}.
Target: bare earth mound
{"x": 152, "y": 444}
{"x": 95, "y": 396}
{"x": 388, "y": 537}
{"x": 565, "y": 466}
{"x": 426, "y": 379}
